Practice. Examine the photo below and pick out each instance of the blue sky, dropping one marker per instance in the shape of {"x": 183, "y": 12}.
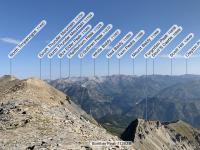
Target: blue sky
{"x": 18, "y": 18}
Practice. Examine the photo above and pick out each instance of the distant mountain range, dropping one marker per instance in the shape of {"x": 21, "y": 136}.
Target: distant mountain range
{"x": 117, "y": 100}
{"x": 34, "y": 115}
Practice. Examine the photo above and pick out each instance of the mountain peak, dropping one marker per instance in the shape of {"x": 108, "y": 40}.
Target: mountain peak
{"x": 35, "y": 115}
{"x": 35, "y": 82}
{"x": 8, "y": 77}
{"x": 153, "y": 135}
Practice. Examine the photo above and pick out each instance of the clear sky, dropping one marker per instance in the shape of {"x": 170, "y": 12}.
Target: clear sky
{"x": 19, "y": 17}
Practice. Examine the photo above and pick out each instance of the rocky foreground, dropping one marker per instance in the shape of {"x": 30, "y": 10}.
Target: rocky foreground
{"x": 154, "y": 135}
{"x": 34, "y": 115}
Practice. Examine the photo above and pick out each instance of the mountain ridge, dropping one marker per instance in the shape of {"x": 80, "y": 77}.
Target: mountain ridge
{"x": 34, "y": 115}
{"x": 123, "y": 98}
{"x": 154, "y": 135}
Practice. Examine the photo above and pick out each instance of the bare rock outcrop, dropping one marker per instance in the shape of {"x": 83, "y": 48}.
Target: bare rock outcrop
{"x": 154, "y": 135}
{"x": 34, "y": 115}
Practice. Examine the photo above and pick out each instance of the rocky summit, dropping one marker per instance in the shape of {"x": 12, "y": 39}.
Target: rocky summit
{"x": 154, "y": 135}
{"x": 34, "y": 115}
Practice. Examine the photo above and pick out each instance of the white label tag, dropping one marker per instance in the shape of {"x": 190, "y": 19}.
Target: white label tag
{"x": 95, "y": 41}
{"x": 111, "y": 38}
{"x": 84, "y": 40}
{"x": 165, "y": 43}
{"x": 119, "y": 45}
{"x": 70, "y": 35}
{"x": 130, "y": 44}
{"x": 158, "y": 43}
{"x": 191, "y": 51}
{"x": 71, "y": 25}
{"x": 146, "y": 42}
{"x": 27, "y": 39}
{"x": 180, "y": 46}
{"x": 74, "y": 41}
